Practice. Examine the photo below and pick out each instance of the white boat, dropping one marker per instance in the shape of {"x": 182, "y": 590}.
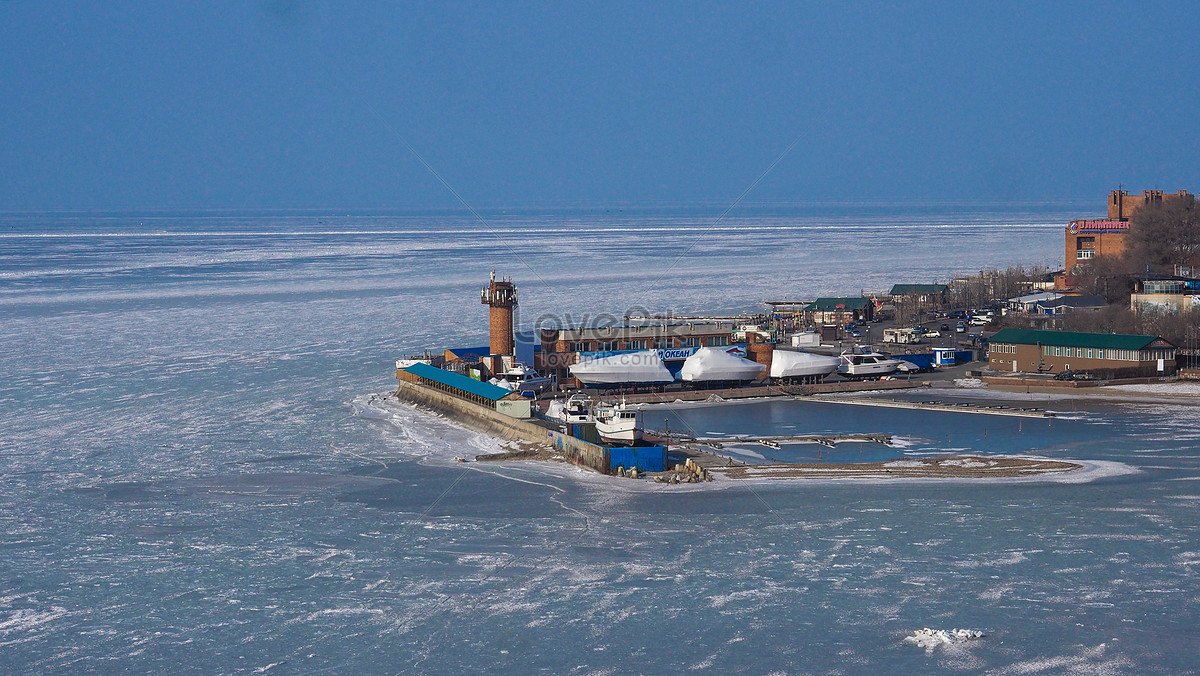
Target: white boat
{"x": 557, "y": 410}
{"x": 710, "y": 364}
{"x": 578, "y": 409}
{"x": 618, "y": 423}
{"x": 637, "y": 368}
{"x": 521, "y": 378}
{"x": 789, "y": 364}
{"x": 859, "y": 366}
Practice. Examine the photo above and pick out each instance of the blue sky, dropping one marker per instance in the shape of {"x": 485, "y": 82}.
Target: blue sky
{"x": 294, "y": 104}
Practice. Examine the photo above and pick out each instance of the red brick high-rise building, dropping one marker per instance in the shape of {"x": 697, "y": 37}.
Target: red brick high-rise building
{"x": 1086, "y": 239}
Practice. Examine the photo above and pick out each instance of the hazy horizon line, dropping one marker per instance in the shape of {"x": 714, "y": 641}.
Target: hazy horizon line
{"x": 1063, "y": 202}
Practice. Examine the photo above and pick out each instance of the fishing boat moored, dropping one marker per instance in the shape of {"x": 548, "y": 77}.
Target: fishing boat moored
{"x": 618, "y": 423}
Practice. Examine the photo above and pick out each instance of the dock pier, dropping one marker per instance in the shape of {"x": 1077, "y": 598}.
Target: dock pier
{"x": 775, "y": 441}
{"x": 961, "y": 407}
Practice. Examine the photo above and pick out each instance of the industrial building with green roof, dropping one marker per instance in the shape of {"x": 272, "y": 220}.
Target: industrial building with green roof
{"x": 1036, "y": 351}
{"x": 917, "y": 289}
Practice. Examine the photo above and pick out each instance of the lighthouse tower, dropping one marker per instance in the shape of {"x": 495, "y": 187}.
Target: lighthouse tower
{"x": 501, "y": 297}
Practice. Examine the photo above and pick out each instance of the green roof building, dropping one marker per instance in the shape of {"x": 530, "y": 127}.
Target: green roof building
{"x": 935, "y": 295}
{"x": 917, "y": 289}
{"x": 839, "y": 310}
{"x": 1115, "y": 354}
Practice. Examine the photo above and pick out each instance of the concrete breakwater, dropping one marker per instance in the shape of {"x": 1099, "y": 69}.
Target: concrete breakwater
{"x": 488, "y": 421}
{"x": 769, "y": 391}
{"x": 959, "y": 407}
{"x": 701, "y": 465}
{"x": 773, "y": 441}
{"x": 955, "y": 467}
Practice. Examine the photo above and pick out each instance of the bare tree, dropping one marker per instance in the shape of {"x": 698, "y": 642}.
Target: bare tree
{"x": 1164, "y": 234}
{"x": 1176, "y": 327}
{"x": 1109, "y": 319}
{"x": 995, "y": 284}
{"x": 1106, "y": 276}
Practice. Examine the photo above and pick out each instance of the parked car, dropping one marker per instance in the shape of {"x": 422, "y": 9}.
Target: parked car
{"x": 1074, "y": 375}
{"x": 981, "y": 320}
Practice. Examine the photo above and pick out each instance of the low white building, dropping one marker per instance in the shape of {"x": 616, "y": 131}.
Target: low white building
{"x": 1171, "y": 294}
{"x": 1029, "y": 302}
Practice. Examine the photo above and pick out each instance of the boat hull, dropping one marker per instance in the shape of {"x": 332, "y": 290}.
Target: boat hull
{"x": 788, "y": 364}
{"x": 618, "y": 424}
{"x": 874, "y": 372}
{"x": 626, "y": 437}
{"x": 867, "y": 366}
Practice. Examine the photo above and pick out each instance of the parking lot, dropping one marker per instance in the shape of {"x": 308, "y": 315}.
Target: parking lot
{"x": 935, "y": 332}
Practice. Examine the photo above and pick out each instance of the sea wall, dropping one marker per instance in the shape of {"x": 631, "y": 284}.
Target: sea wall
{"x": 580, "y": 452}
{"x": 1016, "y": 382}
{"x": 771, "y": 391}
{"x": 488, "y": 421}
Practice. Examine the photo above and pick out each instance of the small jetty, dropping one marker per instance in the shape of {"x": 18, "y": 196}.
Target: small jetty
{"x": 955, "y": 407}
{"x": 777, "y": 441}
{"x": 717, "y": 395}
{"x": 956, "y": 467}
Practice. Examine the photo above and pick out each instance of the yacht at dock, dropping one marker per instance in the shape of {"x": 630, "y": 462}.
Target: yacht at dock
{"x": 867, "y": 365}
{"x": 618, "y": 423}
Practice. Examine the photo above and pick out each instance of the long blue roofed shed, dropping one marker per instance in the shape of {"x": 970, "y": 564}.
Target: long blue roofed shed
{"x": 458, "y": 385}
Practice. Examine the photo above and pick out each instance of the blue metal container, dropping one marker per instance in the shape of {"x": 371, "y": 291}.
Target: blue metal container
{"x": 922, "y": 360}
{"x": 585, "y": 431}
{"x": 645, "y": 458}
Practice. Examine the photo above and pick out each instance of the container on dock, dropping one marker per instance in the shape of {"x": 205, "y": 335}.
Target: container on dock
{"x": 922, "y": 360}
{"x": 585, "y": 431}
{"x": 644, "y": 458}
{"x": 806, "y": 339}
